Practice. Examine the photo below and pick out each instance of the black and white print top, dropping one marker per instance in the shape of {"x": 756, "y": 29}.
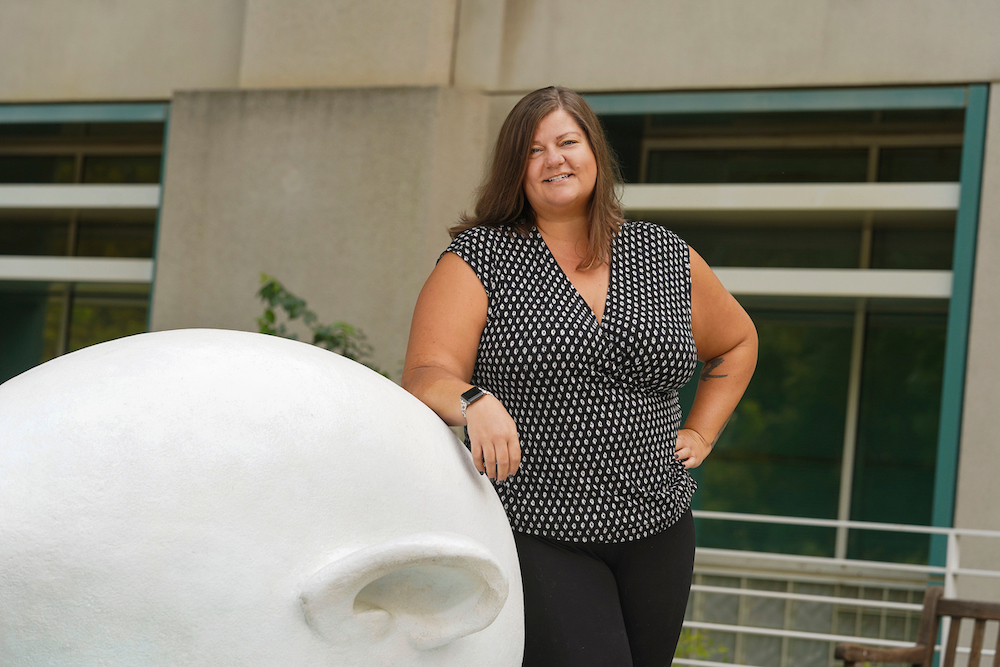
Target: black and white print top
{"x": 595, "y": 404}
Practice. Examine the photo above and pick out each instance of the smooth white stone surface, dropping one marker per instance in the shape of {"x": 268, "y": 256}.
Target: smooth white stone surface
{"x": 207, "y": 497}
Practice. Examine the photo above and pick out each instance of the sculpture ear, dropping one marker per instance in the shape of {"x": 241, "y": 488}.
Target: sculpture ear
{"x": 433, "y": 588}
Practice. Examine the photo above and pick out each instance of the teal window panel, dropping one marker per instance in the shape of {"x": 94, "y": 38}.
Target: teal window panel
{"x": 776, "y": 457}
{"x": 88, "y": 144}
{"x": 37, "y": 169}
{"x": 897, "y": 430}
{"x": 846, "y": 122}
{"x": 836, "y": 246}
{"x": 952, "y": 395}
{"x": 757, "y": 166}
{"x": 34, "y": 232}
{"x": 926, "y": 246}
{"x": 96, "y": 318}
{"x": 122, "y": 169}
{"x": 947, "y": 97}
{"x": 23, "y": 314}
{"x": 935, "y": 337}
{"x": 150, "y": 112}
{"x": 921, "y": 164}
{"x": 116, "y": 234}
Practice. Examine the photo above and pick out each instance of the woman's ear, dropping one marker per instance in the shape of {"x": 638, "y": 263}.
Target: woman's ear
{"x": 431, "y": 588}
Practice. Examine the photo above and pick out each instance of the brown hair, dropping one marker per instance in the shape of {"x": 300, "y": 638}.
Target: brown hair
{"x": 501, "y": 200}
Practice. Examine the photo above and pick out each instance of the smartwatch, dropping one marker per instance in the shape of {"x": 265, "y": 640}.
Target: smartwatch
{"x": 471, "y": 396}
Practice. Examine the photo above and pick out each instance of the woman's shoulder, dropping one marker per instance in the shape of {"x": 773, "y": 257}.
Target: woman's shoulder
{"x": 650, "y": 232}
{"x": 487, "y": 236}
{"x": 477, "y": 232}
{"x": 481, "y": 246}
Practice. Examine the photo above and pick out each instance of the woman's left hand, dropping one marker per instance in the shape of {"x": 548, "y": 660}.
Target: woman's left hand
{"x": 692, "y": 448}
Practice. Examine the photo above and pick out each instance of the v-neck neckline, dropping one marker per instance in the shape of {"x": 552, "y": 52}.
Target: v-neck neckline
{"x": 598, "y": 322}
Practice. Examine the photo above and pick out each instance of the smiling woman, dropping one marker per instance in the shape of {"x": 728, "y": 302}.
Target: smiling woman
{"x": 561, "y": 170}
{"x": 558, "y": 334}
{"x": 502, "y": 199}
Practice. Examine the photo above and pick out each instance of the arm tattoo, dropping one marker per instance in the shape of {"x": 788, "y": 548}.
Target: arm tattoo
{"x": 706, "y": 373}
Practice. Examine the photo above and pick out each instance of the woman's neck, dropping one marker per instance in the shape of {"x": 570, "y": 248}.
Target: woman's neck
{"x": 565, "y": 238}
{"x": 568, "y": 231}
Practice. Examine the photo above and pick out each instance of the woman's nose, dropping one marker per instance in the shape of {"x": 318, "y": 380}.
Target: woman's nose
{"x": 554, "y": 157}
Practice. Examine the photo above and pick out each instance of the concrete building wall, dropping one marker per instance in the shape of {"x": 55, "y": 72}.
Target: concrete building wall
{"x": 699, "y": 44}
{"x": 354, "y": 43}
{"x": 72, "y": 50}
{"x": 118, "y": 50}
{"x": 113, "y": 49}
{"x": 343, "y": 195}
{"x": 978, "y": 502}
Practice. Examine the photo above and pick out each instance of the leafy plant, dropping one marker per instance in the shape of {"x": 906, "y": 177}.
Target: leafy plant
{"x": 697, "y": 645}
{"x": 281, "y": 307}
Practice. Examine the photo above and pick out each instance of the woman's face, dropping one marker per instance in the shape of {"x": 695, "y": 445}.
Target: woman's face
{"x": 562, "y": 170}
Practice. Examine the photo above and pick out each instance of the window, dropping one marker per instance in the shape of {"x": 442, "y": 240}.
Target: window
{"x": 79, "y": 194}
{"x": 833, "y": 216}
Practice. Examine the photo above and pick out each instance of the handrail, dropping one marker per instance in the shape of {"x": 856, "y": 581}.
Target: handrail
{"x": 845, "y": 523}
{"x": 705, "y": 663}
{"x": 950, "y": 572}
{"x": 794, "y": 558}
{"x": 805, "y": 597}
{"x": 793, "y": 634}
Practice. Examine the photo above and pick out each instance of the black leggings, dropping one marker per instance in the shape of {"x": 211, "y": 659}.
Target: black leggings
{"x": 606, "y": 605}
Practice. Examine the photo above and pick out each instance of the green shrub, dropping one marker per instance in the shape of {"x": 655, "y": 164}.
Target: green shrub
{"x": 282, "y": 307}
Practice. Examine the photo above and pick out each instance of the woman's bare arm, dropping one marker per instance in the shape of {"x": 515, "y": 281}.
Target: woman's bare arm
{"x": 727, "y": 343}
{"x": 448, "y": 322}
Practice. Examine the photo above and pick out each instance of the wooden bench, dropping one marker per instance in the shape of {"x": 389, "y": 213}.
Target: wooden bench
{"x": 922, "y": 655}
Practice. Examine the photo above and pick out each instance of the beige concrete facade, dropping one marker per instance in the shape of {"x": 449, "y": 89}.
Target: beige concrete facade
{"x": 982, "y": 383}
{"x": 363, "y": 43}
{"x": 112, "y": 49}
{"x": 67, "y": 51}
{"x": 699, "y": 44}
{"x": 977, "y": 504}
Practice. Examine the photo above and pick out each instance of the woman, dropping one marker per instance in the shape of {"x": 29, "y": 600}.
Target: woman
{"x": 558, "y": 334}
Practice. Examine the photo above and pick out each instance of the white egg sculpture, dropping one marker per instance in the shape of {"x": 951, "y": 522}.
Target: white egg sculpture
{"x": 207, "y": 497}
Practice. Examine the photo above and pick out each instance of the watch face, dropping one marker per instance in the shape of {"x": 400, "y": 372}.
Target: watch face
{"x": 472, "y": 394}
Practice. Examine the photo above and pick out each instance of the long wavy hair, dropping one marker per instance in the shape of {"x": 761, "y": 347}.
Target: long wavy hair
{"x": 501, "y": 200}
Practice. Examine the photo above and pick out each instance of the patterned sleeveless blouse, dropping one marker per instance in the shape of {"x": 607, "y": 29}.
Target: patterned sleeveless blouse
{"x": 595, "y": 404}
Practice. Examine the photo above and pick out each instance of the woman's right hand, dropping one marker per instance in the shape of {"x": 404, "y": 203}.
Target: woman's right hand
{"x": 496, "y": 449}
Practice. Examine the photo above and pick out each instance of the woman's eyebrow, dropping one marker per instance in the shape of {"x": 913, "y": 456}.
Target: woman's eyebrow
{"x": 561, "y": 136}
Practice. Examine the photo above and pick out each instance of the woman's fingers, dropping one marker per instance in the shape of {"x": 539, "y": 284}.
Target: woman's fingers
{"x": 495, "y": 446}
{"x": 691, "y": 448}
{"x": 514, "y": 454}
{"x": 477, "y": 457}
{"x": 490, "y": 460}
{"x": 508, "y": 459}
{"x": 498, "y": 460}
{"x": 501, "y": 462}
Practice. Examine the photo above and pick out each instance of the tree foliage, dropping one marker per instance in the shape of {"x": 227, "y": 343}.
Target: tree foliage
{"x": 698, "y": 645}
{"x": 281, "y": 307}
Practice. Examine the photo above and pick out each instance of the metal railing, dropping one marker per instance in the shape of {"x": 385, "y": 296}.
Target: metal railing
{"x": 835, "y": 568}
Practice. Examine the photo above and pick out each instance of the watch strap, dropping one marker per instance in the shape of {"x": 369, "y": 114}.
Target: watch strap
{"x": 471, "y": 396}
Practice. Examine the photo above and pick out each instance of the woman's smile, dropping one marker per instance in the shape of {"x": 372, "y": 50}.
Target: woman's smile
{"x": 561, "y": 170}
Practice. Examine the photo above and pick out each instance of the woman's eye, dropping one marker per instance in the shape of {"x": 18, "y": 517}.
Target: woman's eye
{"x": 535, "y": 149}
